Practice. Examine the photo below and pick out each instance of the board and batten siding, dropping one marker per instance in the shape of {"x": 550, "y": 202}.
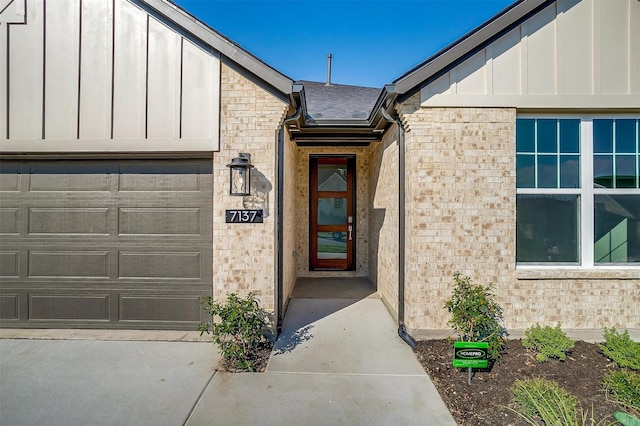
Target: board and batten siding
{"x": 103, "y": 76}
{"x": 572, "y": 54}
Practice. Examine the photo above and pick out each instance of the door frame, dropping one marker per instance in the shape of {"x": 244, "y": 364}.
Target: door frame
{"x": 350, "y": 263}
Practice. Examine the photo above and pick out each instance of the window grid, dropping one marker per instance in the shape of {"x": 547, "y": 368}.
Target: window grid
{"x": 558, "y": 154}
{"x": 585, "y": 190}
{"x": 615, "y": 155}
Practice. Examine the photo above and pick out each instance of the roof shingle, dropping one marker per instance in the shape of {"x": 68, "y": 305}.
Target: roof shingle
{"x": 339, "y": 101}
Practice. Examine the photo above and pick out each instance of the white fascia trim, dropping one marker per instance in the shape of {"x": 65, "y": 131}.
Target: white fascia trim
{"x": 14, "y": 146}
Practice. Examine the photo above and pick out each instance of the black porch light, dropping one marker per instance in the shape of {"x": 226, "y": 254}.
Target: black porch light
{"x": 240, "y": 178}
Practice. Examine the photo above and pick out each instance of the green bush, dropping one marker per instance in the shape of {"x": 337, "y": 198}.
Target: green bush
{"x": 620, "y": 349}
{"x": 623, "y": 387}
{"x": 476, "y": 316}
{"x": 237, "y": 327}
{"x": 549, "y": 342}
{"x": 544, "y": 399}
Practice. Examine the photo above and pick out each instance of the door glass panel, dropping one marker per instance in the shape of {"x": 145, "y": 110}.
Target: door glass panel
{"x": 332, "y": 245}
{"x": 332, "y": 177}
{"x": 332, "y": 211}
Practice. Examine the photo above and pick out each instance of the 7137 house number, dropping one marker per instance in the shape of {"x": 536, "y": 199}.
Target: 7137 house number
{"x": 243, "y": 216}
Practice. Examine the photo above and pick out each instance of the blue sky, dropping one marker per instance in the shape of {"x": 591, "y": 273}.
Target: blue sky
{"x": 372, "y": 42}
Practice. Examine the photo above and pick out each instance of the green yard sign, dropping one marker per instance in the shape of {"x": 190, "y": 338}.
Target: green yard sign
{"x": 470, "y": 354}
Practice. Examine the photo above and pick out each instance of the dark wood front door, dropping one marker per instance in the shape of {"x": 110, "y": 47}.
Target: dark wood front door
{"x": 332, "y": 221}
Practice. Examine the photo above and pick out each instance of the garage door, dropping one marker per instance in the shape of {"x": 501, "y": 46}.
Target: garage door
{"x": 105, "y": 244}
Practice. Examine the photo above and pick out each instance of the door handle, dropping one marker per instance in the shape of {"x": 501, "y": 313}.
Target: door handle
{"x": 350, "y": 229}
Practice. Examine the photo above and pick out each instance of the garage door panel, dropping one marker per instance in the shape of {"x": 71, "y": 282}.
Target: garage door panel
{"x": 160, "y": 221}
{"x": 9, "y": 220}
{"x": 66, "y": 176}
{"x": 168, "y": 265}
{"x": 69, "y": 264}
{"x": 10, "y": 177}
{"x": 175, "y": 177}
{"x": 9, "y": 264}
{"x": 71, "y": 306}
{"x": 86, "y": 246}
{"x": 9, "y": 306}
{"x": 69, "y": 220}
{"x": 159, "y": 308}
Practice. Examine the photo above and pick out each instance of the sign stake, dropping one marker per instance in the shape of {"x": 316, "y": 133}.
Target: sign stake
{"x": 470, "y": 355}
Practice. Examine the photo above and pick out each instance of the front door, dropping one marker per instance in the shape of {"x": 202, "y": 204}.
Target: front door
{"x": 332, "y": 221}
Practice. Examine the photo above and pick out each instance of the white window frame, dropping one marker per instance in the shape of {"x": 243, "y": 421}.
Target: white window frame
{"x": 586, "y": 194}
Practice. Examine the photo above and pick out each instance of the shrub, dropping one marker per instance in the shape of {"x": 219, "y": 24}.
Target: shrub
{"x": 237, "y": 327}
{"x": 623, "y": 387}
{"x": 476, "y": 316}
{"x": 548, "y": 342}
{"x": 620, "y": 349}
{"x": 544, "y": 399}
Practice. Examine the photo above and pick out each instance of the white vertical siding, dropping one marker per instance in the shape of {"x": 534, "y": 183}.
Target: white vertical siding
{"x": 540, "y": 34}
{"x": 612, "y": 35}
{"x": 200, "y": 110}
{"x": 575, "y": 49}
{"x": 470, "y": 76}
{"x": 129, "y": 72}
{"x": 104, "y": 75}
{"x": 3, "y": 85}
{"x": 163, "y": 99}
{"x": 634, "y": 49}
{"x": 507, "y": 64}
{"x": 61, "y": 70}
{"x": 95, "y": 70}
{"x": 572, "y": 54}
{"x": 26, "y": 45}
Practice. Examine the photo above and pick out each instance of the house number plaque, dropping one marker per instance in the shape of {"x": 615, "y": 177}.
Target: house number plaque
{"x": 243, "y": 216}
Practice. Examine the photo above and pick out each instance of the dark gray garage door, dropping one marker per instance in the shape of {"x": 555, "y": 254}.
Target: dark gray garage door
{"x": 105, "y": 244}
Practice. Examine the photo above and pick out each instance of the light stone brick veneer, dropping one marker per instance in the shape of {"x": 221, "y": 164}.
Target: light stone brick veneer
{"x": 460, "y": 204}
{"x": 290, "y": 217}
{"x": 244, "y": 254}
{"x": 461, "y": 216}
{"x": 383, "y": 218}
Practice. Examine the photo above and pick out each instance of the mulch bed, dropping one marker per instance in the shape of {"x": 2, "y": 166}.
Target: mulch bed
{"x": 483, "y": 402}
{"x": 260, "y": 359}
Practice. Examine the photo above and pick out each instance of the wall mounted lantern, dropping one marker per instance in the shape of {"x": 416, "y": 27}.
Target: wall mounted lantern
{"x": 240, "y": 178}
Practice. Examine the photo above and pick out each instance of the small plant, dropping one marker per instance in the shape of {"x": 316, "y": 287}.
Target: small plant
{"x": 549, "y": 342}
{"x": 544, "y": 399}
{"x": 237, "y": 327}
{"x": 623, "y": 387}
{"x": 620, "y": 349}
{"x": 476, "y": 316}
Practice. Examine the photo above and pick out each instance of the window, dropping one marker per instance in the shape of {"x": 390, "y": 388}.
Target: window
{"x": 578, "y": 191}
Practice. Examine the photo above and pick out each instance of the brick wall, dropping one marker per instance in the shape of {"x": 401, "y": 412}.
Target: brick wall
{"x": 244, "y": 254}
{"x": 460, "y": 216}
{"x": 460, "y": 209}
{"x": 290, "y": 217}
{"x": 383, "y": 217}
{"x": 577, "y": 299}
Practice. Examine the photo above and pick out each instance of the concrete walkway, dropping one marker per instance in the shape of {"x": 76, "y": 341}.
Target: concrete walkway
{"x": 337, "y": 361}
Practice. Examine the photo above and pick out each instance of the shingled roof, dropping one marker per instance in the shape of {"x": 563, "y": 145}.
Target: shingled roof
{"x": 339, "y": 101}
